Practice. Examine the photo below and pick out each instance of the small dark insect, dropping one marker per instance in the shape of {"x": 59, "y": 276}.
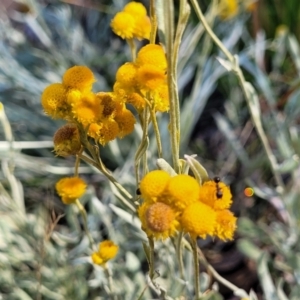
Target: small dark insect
{"x": 138, "y": 191}
{"x": 219, "y": 193}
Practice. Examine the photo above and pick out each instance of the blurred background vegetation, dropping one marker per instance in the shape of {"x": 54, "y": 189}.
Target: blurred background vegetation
{"x": 43, "y": 249}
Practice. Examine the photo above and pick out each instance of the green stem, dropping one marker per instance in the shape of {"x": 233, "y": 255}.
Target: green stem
{"x": 196, "y": 267}
{"x": 179, "y": 254}
{"x": 132, "y": 46}
{"x": 110, "y": 282}
{"x": 217, "y": 276}
{"x": 184, "y": 13}
{"x": 151, "y": 259}
{"x": 237, "y": 70}
{"x": 141, "y": 151}
{"x": 108, "y": 175}
{"x": 153, "y": 22}
{"x": 174, "y": 103}
{"x": 84, "y": 217}
{"x": 156, "y": 129}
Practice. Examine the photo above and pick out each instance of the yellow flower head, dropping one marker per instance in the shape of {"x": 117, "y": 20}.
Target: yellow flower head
{"x": 228, "y": 9}
{"x": 225, "y": 225}
{"x": 67, "y": 140}
{"x": 79, "y": 77}
{"x": 135, "y": 9}
{"x": 109, "y": 131}
{"x": 161, "y": 98}
{"x": 181, "y": 191}
{"x": 142, "y": 28}
{"x": 126, "y": 121}
{"x": 137, "y": 101}
{"x": 153, "y": 184}
{"x": 73, "y": 96}
{"x": 70, "y": 189}
{"x": 54, "y": 100}
{"x": 153, "y": 55}
{"x": 94, "y": 131}
{"x": 209, "y": 195}
{"x": 88, "y": 109}
{"x": 198, "y": 219}
{"x": 126, "y": 75}
{"x": 123, "y": 25}
{"x": 107, "y": 250}
{"x": 158, "y": 220}
{"x": 150, "y": 77}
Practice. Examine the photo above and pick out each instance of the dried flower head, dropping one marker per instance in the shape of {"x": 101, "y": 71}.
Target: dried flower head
{"x": 70, "y": 189}
{"x": 67, "y": 140}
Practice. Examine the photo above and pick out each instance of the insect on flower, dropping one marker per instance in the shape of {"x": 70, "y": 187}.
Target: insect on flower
{"x": 219, "y": 193}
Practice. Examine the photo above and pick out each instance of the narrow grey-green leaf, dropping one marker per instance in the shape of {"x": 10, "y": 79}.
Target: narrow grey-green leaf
{"x": 198, "y": 170}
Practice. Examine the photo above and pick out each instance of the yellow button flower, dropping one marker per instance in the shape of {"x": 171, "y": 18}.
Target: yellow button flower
{"x": 135, "y": 9}
{"x": 70, "y": 189}
{"x": 79, "y": 77}
{"x": 88, "y": 109}
{"x": 199, "y": 220}
{"x": 107, "y": 250}
{"x": 109, "y": 131}
{"x": 225, "y": 225}
{"x": 158, "y": 220}
{"x": 181, "y": 191}
{"x": 126, "y": 121}
{"x": 150, "y": 77}
{"x": 153, "y": 55}
{"x": 54, "y": 100}
{"x": 67, "y": 140}
{"x": 208, "y": 195}
{"x": 153, "y": 184}
{"x": 161, "y": 98}
{"x": 123, "y": 25}
{"x": 126, "y": 75}
{"x": 142, "y": 28}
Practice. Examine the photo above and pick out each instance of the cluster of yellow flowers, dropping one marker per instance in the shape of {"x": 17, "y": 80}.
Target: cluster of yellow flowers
{"x": 144, "y": 81}
{"x": 103, "y": 115}
{"x": 132, "y": 22}
{"x": 171, "y": 204}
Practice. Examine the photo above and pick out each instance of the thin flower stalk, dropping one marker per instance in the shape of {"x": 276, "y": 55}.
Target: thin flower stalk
{"x": 173, "y": 93}
{"x": 153, "y": 19}
{"x": 85, "y": 225}
{"x": 237, "y": 70}
{"x": 196, "y": 268}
